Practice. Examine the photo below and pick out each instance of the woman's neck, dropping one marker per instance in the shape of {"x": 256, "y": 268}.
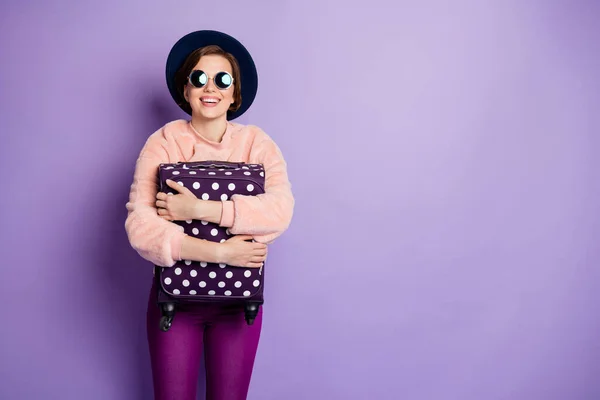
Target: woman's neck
{"x": 212, "y": 130}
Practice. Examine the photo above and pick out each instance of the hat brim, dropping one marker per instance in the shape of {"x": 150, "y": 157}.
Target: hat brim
{"x": 193, "y": 41}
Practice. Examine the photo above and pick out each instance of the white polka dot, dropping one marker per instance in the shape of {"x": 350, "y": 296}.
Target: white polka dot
{"x": 196, "y": 185}
{"x": 195, "y": 231}
{"x": 223, "y": 240}
{"x": 215, "y": 186}
{"x": 177, "y": 271}
{"x": 202, "y": 284}
{"x": 170, "y": 194}
{"x": 192, "y": 172}
{"x": 228, "y": 293}
{"x": 231, "y": 186}
{"x": 189, "y": 221}
{"x": 211, "y": 292}
{"x": 175, "y": 172}
{"x": 204, "y": 222}
{"x": 247, "y": 293}
{"x": 192, "y": 292}
{"x": 228, "y": 173}
{"x": 247, "y": 173}
{"x": 245, "y": 167}
{"x": 180, "y": 183}
{"x": 203, "y": 264}
{"x": 205, "y": 196}
{"x": 168, "y": 281}
{"x": 212, "y": 173}
{"x": 238, "y": 284}
{"x": 185, "y": 167}
{"x": 202, "y": 169}
{"x": 224, "y": 197}
{"x": 212, "y": 275}
{"x": 222, "y": 265}
{"x": 193, "y": 273}
{"x": 229, "y": 274}
{"x": 256, "y": 283}
{"x": 227, "y": 231}
{"x": 188, "y": 262}
{"x": 221, "y": 284}
{"x": 262, "y": 174}
{"x": 186, "y": 283}
{"x": 221, "y": 169}
{"x": 247, "y": 274}
{"x": 176, "y": 291}
{"x": 214, "y": 232}
{"x": 250, "y": 187}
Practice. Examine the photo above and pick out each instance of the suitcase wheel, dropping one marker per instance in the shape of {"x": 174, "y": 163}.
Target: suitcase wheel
{"x": 168, "y": 313}
{"x": 165, "y": 323}
{"x": 251, "y": 310}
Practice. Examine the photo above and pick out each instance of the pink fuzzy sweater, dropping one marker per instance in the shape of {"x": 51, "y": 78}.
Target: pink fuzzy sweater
{"x": 265, "y": 216}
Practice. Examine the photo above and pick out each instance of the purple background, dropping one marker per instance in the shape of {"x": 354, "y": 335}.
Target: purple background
{"x": 443, "y": 157}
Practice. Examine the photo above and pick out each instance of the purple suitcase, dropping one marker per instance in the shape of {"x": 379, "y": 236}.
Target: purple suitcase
{"x": 200, "y": 282}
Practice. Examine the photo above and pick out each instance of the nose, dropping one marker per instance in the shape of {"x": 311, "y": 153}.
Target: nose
{"x": 210, "y": 86}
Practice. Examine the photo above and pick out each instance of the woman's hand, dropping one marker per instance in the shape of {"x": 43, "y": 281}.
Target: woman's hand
{"x": 177, "y": 207}
{"x": 238, "y": 252}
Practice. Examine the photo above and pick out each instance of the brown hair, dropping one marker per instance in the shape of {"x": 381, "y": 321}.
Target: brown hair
{"x": 182, "y": 74}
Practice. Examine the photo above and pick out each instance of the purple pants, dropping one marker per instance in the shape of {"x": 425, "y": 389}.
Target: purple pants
{"x": 220, "y": 333}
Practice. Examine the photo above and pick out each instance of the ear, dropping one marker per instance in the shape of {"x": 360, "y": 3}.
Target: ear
{"x": 185, "y": 93}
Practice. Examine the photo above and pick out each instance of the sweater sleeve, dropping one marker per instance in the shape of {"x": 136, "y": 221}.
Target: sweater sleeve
{"x": 265, "y": 216}
{"x": 155, "y": 239}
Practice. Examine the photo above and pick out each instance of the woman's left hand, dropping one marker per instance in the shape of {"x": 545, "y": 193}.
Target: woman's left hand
{"x": 181, "y": 206}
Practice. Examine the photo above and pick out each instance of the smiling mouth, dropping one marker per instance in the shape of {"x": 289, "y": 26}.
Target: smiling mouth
{"x": 209, "y": 101}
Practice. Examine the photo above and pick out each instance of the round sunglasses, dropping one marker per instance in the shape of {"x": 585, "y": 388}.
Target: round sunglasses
{"x": 222, "y": 80}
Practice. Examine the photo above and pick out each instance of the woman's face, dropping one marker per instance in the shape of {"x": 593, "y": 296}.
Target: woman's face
{"x": 210, "y": 102}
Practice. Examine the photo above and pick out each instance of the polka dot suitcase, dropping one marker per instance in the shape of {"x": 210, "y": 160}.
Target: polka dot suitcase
{"x": 195, "y": 282}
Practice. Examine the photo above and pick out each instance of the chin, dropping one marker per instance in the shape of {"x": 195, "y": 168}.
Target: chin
{"x": 210, "y": 114}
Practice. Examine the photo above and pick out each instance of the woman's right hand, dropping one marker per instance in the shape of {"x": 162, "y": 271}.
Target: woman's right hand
{"x": 238, "y": 252}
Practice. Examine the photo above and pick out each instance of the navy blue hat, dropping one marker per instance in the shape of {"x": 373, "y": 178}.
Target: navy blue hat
{"x": 193, "y": 41}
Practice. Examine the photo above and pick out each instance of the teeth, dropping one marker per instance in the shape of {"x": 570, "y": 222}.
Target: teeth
{"x": 209, "y": 101}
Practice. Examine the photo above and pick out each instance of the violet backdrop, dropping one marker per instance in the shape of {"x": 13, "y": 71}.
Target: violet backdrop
{"x": 443, "y": 156}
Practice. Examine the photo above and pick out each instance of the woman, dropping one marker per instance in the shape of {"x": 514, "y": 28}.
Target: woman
{"x": 212, "y": 77}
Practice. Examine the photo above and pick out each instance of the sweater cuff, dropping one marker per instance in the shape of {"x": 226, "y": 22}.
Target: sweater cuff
{"x": 176, "y": 245}
{"x": 227, "y": 214}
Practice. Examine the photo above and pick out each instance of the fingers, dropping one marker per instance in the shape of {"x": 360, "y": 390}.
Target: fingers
{"x": 257, "y": 245}
{"x": 161, "y": 196}
{"x": 161, "y": 204}
{"x": 245, "y": 238}
{"x": 164, "y": 213}
{"x": 180, "y": 188}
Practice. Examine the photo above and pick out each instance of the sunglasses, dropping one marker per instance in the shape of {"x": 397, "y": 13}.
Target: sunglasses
{"x": 222, "y": 80}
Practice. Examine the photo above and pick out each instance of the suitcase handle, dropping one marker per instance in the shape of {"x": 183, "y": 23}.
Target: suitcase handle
{"x": 215, "y": 164}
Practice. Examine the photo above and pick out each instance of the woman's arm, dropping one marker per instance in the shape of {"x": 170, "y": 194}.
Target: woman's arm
{"x": 238, "y": 251}
{"x": 264, "y": 216}
{"x": 155, "y": 239}
{"x": 195, "y": 249}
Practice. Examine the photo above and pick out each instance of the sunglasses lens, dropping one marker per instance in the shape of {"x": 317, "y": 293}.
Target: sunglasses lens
{"x": 198, "y": 78}
{"x": 223, "y": 80}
